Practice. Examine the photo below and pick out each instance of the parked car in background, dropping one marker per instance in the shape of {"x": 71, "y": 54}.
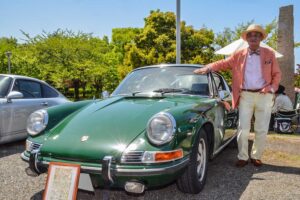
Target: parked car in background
{"x": 161, "y": 124}
{"x": 19, "y": 97}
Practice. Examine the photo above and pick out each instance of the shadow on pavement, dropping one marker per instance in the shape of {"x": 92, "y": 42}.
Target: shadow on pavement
{"x": 12, "y": 148}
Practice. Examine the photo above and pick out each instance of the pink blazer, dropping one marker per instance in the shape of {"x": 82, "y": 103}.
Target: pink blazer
{"x": 237, "y": 62}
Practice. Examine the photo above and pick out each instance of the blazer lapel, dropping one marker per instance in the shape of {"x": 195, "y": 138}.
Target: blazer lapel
{"x": 262, "y": 61}
{"x": 243, "y": 60}
{"x": 262, "y": 57}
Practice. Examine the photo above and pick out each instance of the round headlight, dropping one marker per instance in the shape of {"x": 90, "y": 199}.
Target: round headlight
{"x": 37, "y": 122}
{"x": 161, "y": 128}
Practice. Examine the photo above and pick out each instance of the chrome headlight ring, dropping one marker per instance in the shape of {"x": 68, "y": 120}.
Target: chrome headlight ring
{"x": 161, "y": 128}
{"x": 37, "y": 122}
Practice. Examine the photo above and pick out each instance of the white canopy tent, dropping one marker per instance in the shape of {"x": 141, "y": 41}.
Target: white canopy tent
{"x": 241, "y": 44}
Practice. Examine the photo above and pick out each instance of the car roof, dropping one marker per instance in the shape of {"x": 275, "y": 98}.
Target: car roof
{"x": 170, "y": 65}
{"x": 20, "y": 76}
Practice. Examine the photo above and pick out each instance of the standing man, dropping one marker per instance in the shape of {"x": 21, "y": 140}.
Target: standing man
{"x": 255, "y": 78}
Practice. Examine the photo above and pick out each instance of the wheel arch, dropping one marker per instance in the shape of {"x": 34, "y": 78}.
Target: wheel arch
{"x": 209, "y": 130}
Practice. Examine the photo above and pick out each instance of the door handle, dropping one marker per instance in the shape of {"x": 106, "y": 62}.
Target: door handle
{"x": 44, "y": 104}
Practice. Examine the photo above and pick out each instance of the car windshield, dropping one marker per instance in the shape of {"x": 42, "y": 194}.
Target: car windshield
{"x": 4, "y": 85}
{"x": 163, "y": 80}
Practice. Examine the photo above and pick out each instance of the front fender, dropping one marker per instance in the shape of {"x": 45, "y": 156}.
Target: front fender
{"x": 190, "y": 124}
{"x": 58, "y": 113}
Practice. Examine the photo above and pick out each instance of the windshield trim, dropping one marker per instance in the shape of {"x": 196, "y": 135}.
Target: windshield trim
{"x": 159, "y": 95}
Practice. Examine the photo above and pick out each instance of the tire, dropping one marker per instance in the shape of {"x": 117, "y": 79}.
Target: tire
{"x": 193, "y": 179}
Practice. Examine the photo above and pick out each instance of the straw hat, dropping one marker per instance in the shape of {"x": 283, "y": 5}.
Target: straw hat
{"x": 254, "y": 28}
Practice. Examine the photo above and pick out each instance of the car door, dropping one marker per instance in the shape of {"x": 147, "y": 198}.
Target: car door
{"x": 229, "y": 115}
{"x": 17, "y": 111}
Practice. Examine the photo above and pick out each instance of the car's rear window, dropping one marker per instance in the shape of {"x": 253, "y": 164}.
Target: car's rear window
{"x": 49, "y": 92}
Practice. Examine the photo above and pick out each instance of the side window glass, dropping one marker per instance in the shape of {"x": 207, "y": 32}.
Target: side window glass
{"x": 219, "y": 83}
{"x": 48, "y": 92}
{"x": 29, "y": 89}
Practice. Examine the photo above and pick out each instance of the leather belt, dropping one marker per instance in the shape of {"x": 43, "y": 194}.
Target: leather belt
{"x": 249, "y": 90}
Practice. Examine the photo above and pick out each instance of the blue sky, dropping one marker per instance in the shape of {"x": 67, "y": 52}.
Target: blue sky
{"x": 101, "y": 16}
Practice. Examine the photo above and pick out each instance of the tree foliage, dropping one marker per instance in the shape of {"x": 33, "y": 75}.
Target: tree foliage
{"x": 156, "y": 43}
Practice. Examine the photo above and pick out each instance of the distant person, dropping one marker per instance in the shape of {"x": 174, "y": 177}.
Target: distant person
{"x": 283, "y": 106}
{"x": 283, "y": 103}
{"x": 255, "y": 78}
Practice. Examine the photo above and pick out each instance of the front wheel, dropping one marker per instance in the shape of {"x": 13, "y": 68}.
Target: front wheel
{"x": 193, "y": 179}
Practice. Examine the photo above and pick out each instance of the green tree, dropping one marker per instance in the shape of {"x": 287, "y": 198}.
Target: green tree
{"x": 123, "y": 36}
{"x": 70, "y": 60}
{"x": 156, "y": 43}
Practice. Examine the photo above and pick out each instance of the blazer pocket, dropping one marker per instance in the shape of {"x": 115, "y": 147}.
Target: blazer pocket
{"x": 268, "y": 62}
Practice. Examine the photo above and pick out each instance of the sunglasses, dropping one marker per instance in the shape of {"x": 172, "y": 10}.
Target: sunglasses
{"x": 254, "y": 34}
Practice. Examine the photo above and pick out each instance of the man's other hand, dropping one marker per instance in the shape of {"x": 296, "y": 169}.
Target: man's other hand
{"x": 267, "y": 89}
{"x": 203, "y": 70}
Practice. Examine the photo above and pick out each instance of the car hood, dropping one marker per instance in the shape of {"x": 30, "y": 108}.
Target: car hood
{"x": 106, "y": 127}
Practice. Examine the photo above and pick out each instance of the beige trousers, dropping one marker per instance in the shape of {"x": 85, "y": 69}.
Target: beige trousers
{"x": 261, "y": 106}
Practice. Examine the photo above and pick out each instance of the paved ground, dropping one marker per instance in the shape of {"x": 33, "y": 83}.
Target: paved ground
{"x": 279, "y": 178}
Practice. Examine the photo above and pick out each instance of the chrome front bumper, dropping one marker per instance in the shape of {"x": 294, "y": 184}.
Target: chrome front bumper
{"x": 121, "y": 170}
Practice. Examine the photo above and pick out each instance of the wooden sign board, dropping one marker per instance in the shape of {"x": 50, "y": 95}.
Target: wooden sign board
{"x": 62, "y": 181}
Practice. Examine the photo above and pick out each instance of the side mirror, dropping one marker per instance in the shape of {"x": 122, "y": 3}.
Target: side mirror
{"x": 223, "y": 94}
{"x": 14, "y": 95}
{"x": 105, "y": 94}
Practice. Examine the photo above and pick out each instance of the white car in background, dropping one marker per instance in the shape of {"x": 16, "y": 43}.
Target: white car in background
{"x": 19, "y": 97}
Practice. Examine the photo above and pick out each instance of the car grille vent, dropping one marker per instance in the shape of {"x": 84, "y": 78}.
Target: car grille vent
{"x": 132, "y": 157}
{"x": 34, "y": 146}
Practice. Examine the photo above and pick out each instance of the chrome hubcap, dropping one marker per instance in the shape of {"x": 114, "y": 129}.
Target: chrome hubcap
{"x": 201, "y": 159}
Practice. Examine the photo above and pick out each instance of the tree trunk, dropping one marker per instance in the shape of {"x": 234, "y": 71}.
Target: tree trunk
{"x": 285, "y": 46}
{"x": 83, "y": 86}
{"x": 98, "y": 85}
{"x": 76, "y": 89}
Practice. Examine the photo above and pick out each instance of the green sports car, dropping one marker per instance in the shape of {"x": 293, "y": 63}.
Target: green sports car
{"x": 161, "y": 124}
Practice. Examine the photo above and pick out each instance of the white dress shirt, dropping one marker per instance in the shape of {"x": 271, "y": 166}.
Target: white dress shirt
{"x": 253, "y": 78}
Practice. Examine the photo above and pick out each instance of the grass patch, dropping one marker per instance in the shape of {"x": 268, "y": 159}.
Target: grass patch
{"x": 283, "y": 158}
{"x": 284, "y": 137}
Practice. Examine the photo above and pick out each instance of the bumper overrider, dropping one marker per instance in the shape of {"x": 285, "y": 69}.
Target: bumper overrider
{"x": 109, "y": 170}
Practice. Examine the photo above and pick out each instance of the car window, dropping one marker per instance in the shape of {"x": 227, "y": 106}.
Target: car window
{"x": 219, "y": 82}
{"x": 29, "y": 89}
{"x": 153, "y": 79}
{"x": 48, "y": 92}
{"x": 4, "y": 85}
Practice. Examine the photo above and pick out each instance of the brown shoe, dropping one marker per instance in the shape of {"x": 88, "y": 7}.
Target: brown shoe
{"x": 256, "y": 162}
{"x": 241, "y": 163}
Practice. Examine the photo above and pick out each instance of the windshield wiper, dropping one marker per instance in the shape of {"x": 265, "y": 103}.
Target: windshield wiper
{"x": 136, "y": 92}
{"x": 168, "y": 90}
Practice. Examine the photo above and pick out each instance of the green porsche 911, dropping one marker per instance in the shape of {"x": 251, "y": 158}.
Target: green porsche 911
{"x": 161, "y": 124}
